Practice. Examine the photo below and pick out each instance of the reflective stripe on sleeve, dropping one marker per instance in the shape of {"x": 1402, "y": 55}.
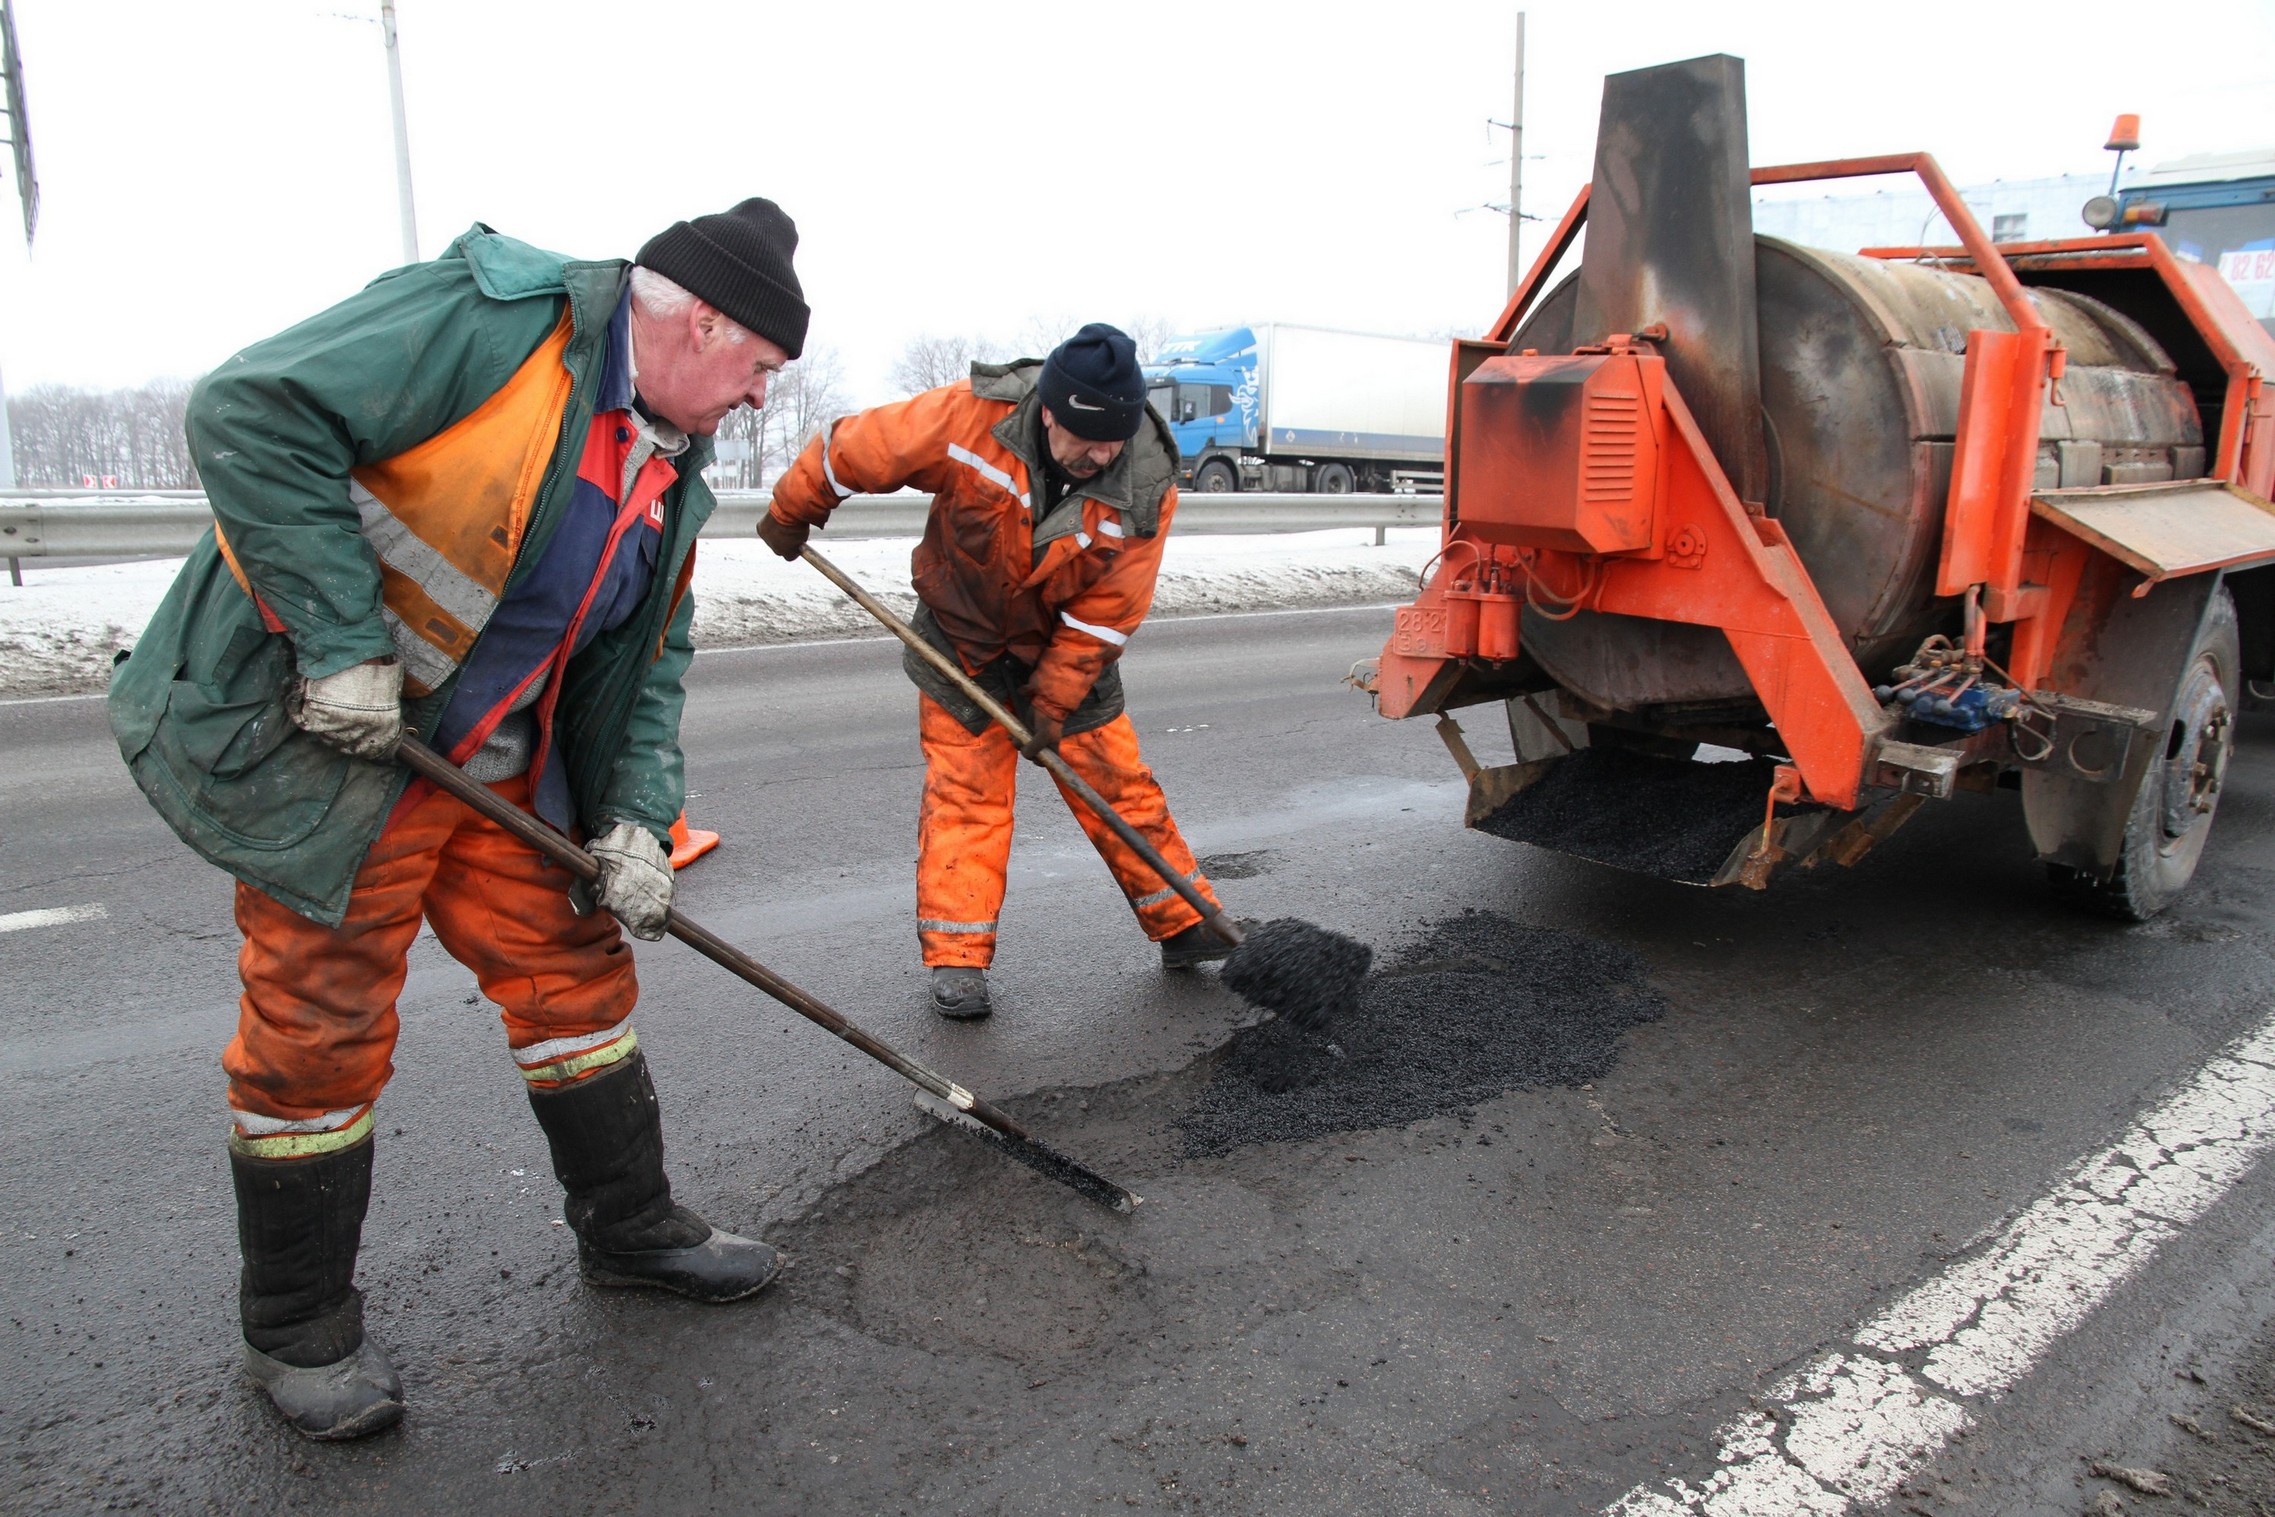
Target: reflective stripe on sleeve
{"x": 259, "y": 1137}
{"x": 1081, "y": 539}
{"x": 1109, "y": 526}
{"x": 987, "y": 471}
{"x": 931, "y": 924}
{"x": 1103, "y": 634}
{"x": 829, "y": 473}
{"x": 561, "y": 1059}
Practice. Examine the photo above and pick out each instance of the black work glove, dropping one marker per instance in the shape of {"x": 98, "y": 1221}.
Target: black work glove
{"x": 1044, "y": 732}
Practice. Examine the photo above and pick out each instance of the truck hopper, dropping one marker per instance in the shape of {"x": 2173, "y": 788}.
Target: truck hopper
{"x": 1869, "y": 527}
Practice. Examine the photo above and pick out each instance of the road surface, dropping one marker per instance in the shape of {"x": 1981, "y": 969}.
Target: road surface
{"x": 1600, "y": 1182}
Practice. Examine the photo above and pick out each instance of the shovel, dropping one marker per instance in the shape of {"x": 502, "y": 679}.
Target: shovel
{"x": 949, "y": 1101}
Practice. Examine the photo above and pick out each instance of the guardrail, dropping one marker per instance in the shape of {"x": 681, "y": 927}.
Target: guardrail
{"x": 158, "y": 523}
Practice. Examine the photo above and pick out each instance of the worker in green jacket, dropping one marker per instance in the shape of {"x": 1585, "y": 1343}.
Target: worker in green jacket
{"x": 462, "y": 504}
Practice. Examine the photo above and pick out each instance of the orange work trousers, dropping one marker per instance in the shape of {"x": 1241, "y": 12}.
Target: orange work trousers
{"x": 316, "y": 1024}
{"x": 963, "y": 849}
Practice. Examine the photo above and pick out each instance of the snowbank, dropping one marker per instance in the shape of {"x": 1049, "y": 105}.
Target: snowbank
{"x": 58, "y": 632}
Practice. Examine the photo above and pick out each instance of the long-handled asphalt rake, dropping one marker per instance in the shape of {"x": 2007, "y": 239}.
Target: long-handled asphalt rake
{"x": 1304, "y": 973}
{"x": 950, "y": 1101}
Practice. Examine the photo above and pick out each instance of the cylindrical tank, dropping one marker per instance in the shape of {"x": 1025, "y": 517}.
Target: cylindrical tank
{"x": 1861, "y": 362}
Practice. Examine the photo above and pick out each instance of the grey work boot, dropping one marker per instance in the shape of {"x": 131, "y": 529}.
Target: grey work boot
{"x": 347, "y": 1399}
{"x": 1196, "y": 945}
{"x": 959, "y": 992}
{"x": 607, "y": 1138}
{"x": 299, "y": 1222}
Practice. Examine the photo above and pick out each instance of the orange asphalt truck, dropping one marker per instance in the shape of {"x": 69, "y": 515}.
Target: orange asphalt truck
{"x": 1762, "y": 547}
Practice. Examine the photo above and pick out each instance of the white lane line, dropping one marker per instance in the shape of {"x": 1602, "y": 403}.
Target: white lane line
{"x": 53, "y": 916}
{"x": 1852, "y": 1426}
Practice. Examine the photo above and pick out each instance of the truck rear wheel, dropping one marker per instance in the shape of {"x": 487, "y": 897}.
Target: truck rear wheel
{"x": 1216, "y": 477}
{"x": 2171, "y": 814}
{"x": 1334, "y": 479}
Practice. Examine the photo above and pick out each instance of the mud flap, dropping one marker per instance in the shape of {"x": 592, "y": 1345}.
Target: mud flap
{"x": 2124, "y": 651}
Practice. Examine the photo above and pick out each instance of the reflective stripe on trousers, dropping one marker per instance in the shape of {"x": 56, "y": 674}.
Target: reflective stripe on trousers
{"x": 316, "y": 1023}
{"x": 964, "y": 833}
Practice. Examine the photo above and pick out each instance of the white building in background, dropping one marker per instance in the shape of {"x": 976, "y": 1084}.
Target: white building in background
{"x": 1845, "y": 218}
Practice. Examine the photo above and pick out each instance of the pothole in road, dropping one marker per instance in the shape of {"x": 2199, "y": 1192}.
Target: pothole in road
{"x": 1238, "y": 866}
{"x": 1481, "y": 1005}
{"x": 948, "y": 1247}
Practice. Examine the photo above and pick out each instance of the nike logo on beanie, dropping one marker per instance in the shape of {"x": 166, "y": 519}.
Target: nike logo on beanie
{"x": 1093, "y": 382}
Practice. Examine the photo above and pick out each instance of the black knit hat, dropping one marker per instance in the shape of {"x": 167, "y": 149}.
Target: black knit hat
{"x": 739, "y": 261}
{"x": 1093, "y": 385}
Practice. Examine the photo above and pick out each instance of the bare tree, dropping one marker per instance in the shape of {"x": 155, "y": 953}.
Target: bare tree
{"x": 929, "y": 362}
{"x": 754, "y": 446}
{"x": 1150, "y": 332}
{"x": 741, "y": 443}
{"x": 66, "y": 436}
{"x": 1041, "y": 333}
{"x": 804, "y": 398}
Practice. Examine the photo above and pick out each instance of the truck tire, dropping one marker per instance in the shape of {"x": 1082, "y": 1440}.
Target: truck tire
{"x": 1333, "y": 479}
{"x": 1216, "y": 477}
{"x": 2172, "y": 812}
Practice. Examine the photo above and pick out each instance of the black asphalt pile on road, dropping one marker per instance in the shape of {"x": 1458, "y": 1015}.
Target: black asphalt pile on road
{"x": 1310, "y": 976}
{"x": 1676, "y": 819}
{"x": 1480, "y": 1006}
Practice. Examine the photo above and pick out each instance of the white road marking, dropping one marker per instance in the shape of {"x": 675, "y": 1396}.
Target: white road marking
{"x": 53, "y": 916}
{"x": 1848, "y": 1429}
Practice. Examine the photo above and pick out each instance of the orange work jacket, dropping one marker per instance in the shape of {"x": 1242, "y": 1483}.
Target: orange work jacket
{"x": 1063, "y": 594}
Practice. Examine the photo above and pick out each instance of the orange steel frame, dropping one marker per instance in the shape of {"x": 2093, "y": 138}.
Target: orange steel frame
{"x": 1751, "y": 584}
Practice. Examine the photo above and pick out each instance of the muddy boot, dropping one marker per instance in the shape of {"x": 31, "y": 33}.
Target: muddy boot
{"x": 607, "y": 1138}
{"x": 1197, "y": 944}
{"x": 959, "y": 992}
{"x": 298, "y": 1224}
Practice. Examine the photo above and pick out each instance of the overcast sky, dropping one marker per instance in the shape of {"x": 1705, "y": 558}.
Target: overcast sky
{"x": 212, "y": 172}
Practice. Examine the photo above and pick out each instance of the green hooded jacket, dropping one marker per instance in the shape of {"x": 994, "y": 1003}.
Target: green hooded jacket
{"x": 198, "y": 710}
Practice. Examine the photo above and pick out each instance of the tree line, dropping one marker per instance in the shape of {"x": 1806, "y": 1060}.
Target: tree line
{"x": 67, "y": 438}
{"x": 131, "y": 439}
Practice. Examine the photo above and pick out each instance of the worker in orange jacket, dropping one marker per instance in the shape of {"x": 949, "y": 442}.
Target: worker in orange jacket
{"x": 1052, "y": 487}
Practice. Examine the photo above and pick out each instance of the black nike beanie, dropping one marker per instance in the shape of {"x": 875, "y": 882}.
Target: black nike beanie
{"x": 1093, "y": 385}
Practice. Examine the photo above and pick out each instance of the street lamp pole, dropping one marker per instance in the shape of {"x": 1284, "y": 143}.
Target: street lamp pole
{"x": 1517, "y": 164}
{"x": 404, "y": 202}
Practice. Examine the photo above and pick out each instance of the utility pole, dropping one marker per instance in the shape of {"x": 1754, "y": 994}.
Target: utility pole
{"x": 403, "y": 199}
{"x": 1517, "y": 164}
{"x": 27, "y": 191}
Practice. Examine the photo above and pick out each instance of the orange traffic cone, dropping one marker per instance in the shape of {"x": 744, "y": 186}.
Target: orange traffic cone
{"x": 689, "y": 843}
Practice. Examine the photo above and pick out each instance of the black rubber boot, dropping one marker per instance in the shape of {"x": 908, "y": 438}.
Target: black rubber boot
{"x": 959, "y": 992}
{"x": 607, "y": 1138}
{"x": 299, "y": 1222}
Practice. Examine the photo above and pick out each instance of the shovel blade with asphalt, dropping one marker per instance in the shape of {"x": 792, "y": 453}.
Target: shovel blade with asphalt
{"x": 947, "y": 1099}
{"x": 1303, "y": 972}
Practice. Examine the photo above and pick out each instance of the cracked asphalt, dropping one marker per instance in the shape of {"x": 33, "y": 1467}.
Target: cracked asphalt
{"x": 1528, "y": 1294}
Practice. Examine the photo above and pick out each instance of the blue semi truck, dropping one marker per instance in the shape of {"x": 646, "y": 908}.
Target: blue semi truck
{"x": 1292, "y": 408}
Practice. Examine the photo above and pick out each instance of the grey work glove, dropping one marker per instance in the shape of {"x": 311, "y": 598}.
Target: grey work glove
{"x": 359, "y": 710}
{"x": 635, "y": 879}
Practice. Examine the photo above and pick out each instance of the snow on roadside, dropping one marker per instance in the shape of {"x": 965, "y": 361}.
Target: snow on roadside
{"x": 60, "y": 631}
